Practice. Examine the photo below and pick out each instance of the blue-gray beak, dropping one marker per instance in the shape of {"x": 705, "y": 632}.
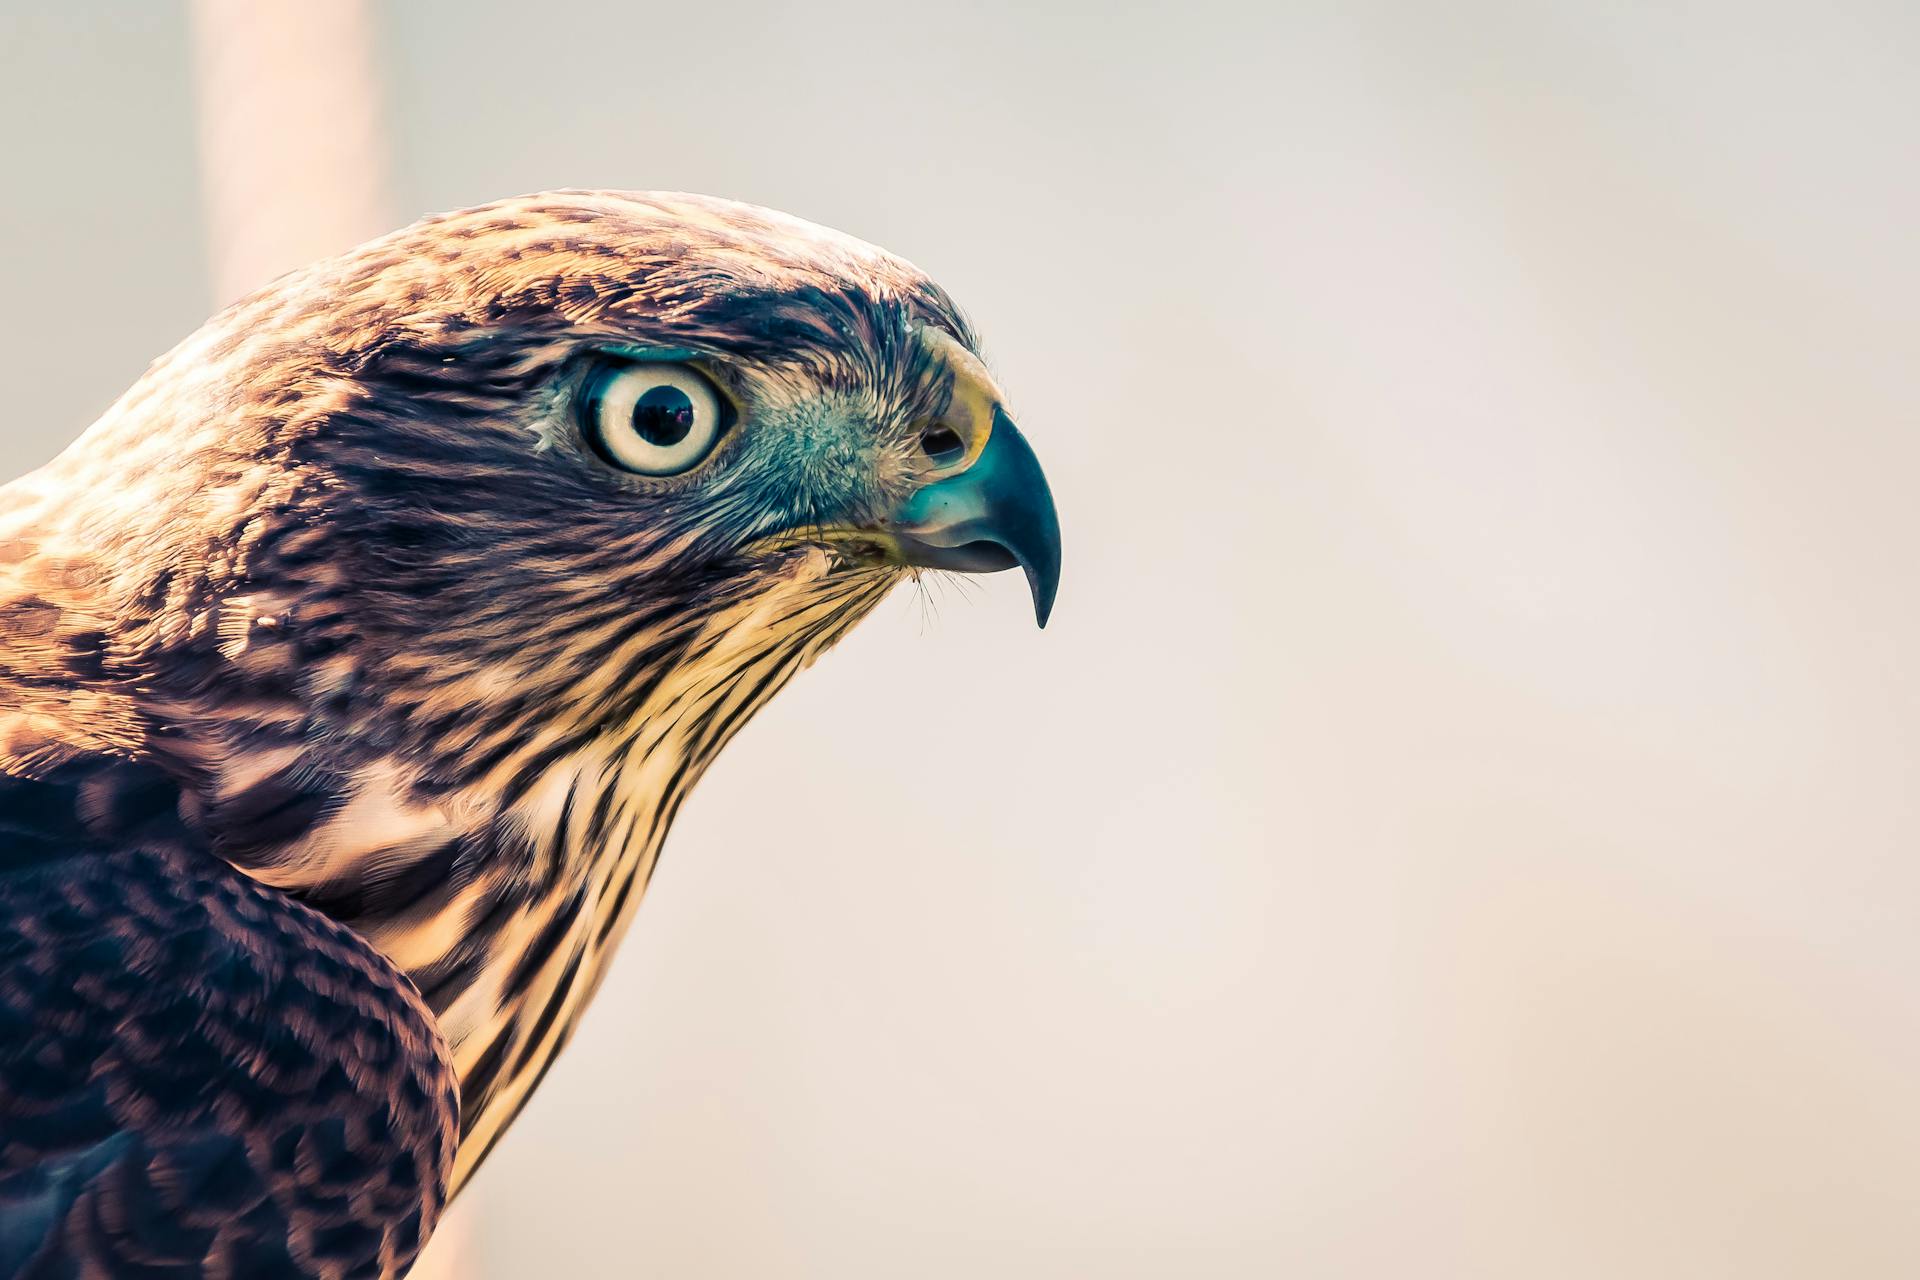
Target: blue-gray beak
{"x": 996, "y": 514}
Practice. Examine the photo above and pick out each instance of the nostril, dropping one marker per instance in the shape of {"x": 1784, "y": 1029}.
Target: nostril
{"x": 942, "y": 444}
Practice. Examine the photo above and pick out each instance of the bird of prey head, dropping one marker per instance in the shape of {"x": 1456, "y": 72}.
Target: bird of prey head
{"x": 433, "y": 576}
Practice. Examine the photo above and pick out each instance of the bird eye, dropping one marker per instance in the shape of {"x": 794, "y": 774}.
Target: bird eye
{"x": 653, "y": 419}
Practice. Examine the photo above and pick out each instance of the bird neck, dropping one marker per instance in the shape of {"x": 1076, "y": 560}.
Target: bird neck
{"x": 504, "y": 898}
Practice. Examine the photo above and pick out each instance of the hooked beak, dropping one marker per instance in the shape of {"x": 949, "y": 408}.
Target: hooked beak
{"x": 994, "y": 515}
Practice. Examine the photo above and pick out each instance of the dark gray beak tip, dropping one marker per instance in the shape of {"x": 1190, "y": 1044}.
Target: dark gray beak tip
{"x": 1043, "y": 579}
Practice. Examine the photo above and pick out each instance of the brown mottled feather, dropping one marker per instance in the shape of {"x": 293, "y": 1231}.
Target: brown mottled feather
{"x": 195, "y": 1072}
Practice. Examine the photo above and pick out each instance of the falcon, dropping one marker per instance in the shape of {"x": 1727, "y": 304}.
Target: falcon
{"x": 354, "y": 665}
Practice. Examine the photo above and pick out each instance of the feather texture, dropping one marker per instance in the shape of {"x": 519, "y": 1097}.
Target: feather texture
{"x": 413, "y": 684}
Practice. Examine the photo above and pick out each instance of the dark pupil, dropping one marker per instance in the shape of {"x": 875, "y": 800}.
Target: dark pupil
{"x": 663, "y": 416}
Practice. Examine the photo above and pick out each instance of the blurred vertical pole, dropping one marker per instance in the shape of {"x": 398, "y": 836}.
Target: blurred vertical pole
{"x": 293, "y": 167}
{"x": 293, "y": 162}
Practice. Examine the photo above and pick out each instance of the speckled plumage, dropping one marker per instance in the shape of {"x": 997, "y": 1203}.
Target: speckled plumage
{"x": 338, "y": 594}
{"x": 196, "y": 1074}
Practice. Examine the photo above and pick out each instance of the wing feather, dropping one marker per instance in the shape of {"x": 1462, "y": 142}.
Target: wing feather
{"x": 198, "y": 1075}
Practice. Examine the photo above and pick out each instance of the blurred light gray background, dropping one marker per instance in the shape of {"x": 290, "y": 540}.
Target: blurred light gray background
{"x": 1462, "y": 820}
